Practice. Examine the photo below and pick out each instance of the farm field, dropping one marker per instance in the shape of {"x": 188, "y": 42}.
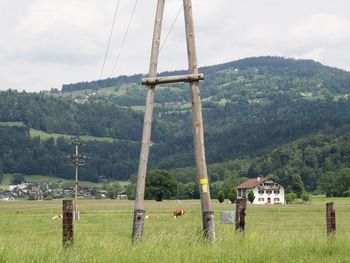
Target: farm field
{"x": 288, "y": 233}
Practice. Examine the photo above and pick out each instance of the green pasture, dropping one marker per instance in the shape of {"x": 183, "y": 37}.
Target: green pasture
{"x": 45, "y": 135}
{"x": 12, "y": 124}
{"x": 285, "y": 233}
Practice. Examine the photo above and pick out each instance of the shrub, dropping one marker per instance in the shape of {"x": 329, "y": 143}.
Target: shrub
{"x": 291, "y": 197}
{"x": 221, "y": 196}
{"x": 305, "y": 197}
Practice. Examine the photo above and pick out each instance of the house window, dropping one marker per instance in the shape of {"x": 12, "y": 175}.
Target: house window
{"x": 276, "y": 191}
{"x": 261, "y": 199}
{"x": 276, "y": 199}
{"x": 268, "y": 192}
{"x": 261, "y": 192}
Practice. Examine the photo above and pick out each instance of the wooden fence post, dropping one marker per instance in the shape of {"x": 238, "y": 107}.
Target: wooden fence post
{"x": 241, "y": 205}
{"x": 68, "y": 232}
{"x": 330, "y": 218}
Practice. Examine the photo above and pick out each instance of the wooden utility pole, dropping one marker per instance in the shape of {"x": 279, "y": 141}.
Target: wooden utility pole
{"x": 330, "y": 219}
{"x": 197, "y": 127}
{"x": 197, "y": 123}
{"x": 78, "y": 160}
{"x": 67, "y": 222}
{"x": 139, "y": 212}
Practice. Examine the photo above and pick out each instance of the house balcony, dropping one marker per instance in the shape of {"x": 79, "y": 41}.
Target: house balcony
{"x": 272, "y": 188}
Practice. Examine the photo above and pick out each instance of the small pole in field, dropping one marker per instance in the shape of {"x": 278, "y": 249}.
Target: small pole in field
{"x": 78, "y": 160}
{"x": 241, "y": 205}
{"x": 330, "y": 219}
{"x": 68, "y": 231}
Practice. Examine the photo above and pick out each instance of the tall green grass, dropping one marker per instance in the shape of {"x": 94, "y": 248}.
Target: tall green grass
{"x": 273, "y": 234}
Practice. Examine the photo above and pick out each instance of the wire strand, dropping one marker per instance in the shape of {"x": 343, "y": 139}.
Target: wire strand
{"x": 124, "y": 38}
{"x": 171, "y": 28}
{"x": 109, "y": 39}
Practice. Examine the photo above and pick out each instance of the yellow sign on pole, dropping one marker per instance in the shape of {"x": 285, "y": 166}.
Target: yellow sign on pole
{"x": 203, "y": 181}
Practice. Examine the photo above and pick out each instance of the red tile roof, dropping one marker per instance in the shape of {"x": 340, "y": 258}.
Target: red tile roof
{"x": 251, "y": 183}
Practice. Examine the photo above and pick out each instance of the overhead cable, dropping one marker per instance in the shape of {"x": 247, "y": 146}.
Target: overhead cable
{"x": 124, "y": 38}
{"x": 171, "y": 28}
{"x": 109, "y": 39}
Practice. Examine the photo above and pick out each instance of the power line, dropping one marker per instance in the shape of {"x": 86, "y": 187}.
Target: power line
{"x": 171, "y": 28}
{"x": 109, "y": 39}
{"x": 124, "y": 38}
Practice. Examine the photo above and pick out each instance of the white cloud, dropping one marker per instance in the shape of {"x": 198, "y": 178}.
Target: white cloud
{"x": 320, "y": 29}
{"x": 48, "y": 43}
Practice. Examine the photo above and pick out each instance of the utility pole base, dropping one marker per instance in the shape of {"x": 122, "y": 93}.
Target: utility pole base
{"x": 208, "y": 226}
{"x": 137, "y": 229}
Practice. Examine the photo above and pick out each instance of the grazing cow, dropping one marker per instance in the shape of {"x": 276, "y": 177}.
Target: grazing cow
{"x": 178, "y": 212}
{"x": 57, "y": 217}
{"x": 151, "y": 216}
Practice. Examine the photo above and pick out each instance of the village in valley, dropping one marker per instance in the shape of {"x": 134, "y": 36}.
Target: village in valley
{"x": 48, "y": 190}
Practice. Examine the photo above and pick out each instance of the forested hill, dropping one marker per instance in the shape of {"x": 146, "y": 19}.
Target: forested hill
{"x": 250, "y": 107}
{"x": 291, "y": 69}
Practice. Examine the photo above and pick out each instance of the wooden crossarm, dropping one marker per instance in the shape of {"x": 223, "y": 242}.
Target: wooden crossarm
{"x": 172, "y": 79}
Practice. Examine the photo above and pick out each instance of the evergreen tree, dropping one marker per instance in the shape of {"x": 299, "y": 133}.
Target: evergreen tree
{"x": 221, "y": 196}
{"x": 232, "y": 195}
{"x": 251, "y": 196}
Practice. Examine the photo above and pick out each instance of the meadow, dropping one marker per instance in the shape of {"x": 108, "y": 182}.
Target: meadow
{"x": 285, "y": 233}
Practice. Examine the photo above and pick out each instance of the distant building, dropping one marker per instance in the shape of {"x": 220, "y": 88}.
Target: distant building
{"x": 266, "y": 190}
{"x": 102, "y": 193}
{"x": 7, "y": 198}
{"x": 122, "y": 196}
{"x": 37, "y": 194}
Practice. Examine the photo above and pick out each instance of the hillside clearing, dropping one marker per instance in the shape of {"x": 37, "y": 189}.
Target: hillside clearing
{"x": 45, "y": 135}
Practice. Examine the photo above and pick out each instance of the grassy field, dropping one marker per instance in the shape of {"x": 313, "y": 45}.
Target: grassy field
{"x": 45, "y": 135}
{"x": 288, "y": 233}
{"x": 12, "y": 124}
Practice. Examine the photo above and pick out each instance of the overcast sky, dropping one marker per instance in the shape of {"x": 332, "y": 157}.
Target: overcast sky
{"x": 47, "y": 43}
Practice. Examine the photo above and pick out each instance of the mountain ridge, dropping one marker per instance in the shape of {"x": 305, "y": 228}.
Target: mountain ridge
{"x": 240, "y": 63}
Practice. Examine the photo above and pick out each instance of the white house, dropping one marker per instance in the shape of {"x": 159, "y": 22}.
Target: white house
{"x": 266, "y": 190}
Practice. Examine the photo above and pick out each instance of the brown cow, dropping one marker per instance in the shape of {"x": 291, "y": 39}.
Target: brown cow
{"x": 178, "y": 212}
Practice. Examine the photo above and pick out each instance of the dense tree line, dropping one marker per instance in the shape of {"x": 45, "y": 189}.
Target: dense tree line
{"x": 236, "y": 130}
{"x": 51, "y": 114}
{"x": 19, "y": 153}
{"x": 99, "y": 84}
{"x": 319, "y": 164}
